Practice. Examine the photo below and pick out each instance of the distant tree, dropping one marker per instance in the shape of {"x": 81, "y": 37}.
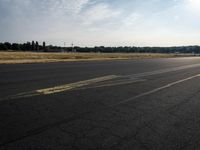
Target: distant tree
{"x": 43, "y": 45}
{"x": 8, "y": 45}
{"x": 15, "y": 46}
{"x": 33, "y": 46}
{"x": 37, "y": 46}
{"x": 28, "y": 46}
{"x": 3, "y": 46}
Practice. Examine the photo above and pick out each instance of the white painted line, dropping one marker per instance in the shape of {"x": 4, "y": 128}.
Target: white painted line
{"x": 156, "y": 72}
{"x": 156, "y": 90}
{"x": 79, "y": 84}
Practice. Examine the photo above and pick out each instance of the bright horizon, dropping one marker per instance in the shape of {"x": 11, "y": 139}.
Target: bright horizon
{"x": 101, "y": 22}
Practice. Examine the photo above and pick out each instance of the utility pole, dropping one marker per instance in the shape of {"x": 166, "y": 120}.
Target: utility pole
{"x": 63, "y": 50}
{"x": 72, "y": 47}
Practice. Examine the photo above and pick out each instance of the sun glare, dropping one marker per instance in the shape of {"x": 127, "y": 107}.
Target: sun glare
{"x": 194, "y": 5}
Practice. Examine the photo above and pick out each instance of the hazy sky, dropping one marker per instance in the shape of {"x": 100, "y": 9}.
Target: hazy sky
{"x": 101, "y": 22}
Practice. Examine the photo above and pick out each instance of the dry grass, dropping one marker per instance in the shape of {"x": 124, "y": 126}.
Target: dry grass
{"x": 33, "y": 57}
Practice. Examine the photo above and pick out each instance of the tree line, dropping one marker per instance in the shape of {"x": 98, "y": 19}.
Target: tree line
{"x": 35, "y": 46}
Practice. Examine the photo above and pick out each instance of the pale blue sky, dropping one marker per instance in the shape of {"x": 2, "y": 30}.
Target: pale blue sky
{"x": 101, "y": 22}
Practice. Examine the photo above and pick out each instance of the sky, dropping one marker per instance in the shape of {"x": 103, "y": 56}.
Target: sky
{"x": 101, "y": 22}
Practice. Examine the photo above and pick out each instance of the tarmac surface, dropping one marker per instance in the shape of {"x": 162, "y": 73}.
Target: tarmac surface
{"x": 150, "y": 104}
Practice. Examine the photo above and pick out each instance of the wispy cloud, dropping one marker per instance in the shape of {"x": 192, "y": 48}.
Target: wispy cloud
{"x": 132, "y": 19}
{"x": 64, "y": 6}
{"x": 39, "y": 8}
{"x": 100, "y": 13}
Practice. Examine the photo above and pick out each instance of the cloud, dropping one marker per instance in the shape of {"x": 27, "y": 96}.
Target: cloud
{"x": 64, "y": 6}
{"x": 43, "y": 8}
{"x": 132, "y": 19}
{"x": 101, "y": 12}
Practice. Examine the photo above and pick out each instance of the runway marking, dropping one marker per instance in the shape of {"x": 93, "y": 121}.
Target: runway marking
{"x": 71, "y": 86}
{"x": 114, "y": 83}
{"x": 156, "y": 90}
{"x": 150, "y": 73}
{"x": 80, "y": 84}
{"x": 62, "y": 88}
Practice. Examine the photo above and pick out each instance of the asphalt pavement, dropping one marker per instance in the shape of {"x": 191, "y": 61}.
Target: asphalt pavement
{"x": 147, "y": 104}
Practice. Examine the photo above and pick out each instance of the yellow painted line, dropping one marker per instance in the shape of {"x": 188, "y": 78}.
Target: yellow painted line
{"x": 62, "y": 88}
{"x": 23, "y": 95}
{"x": 113, "y": 83}
{"x": 71, "y": 86}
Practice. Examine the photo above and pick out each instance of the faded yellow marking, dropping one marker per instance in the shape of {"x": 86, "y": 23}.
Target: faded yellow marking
{"x": 71, "y": 86}
{"x": 114, "y": 84}
{"x": 62, "y": 88}
{"x": 23, "y": 95}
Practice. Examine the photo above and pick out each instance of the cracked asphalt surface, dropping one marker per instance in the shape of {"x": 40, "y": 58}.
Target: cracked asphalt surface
{"x": 94, "y": 117}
